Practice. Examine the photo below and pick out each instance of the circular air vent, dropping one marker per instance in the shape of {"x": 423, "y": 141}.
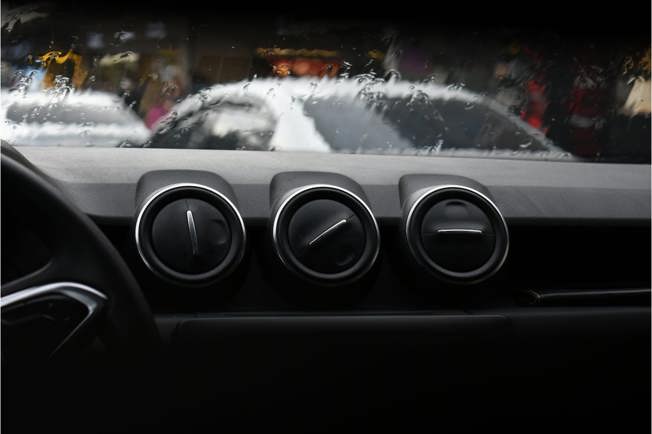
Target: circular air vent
{"x": 457, "y": 233}
{"x": 190, "y": 233}
{"x": 326, "y": 234}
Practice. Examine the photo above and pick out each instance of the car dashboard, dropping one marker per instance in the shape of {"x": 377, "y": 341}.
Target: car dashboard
{"x": 323, "y": 271}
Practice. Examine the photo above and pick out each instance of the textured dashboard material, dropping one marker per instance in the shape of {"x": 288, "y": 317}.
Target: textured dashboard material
{"x": 102, "y": 181}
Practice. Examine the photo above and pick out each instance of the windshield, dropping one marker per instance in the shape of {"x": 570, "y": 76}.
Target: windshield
{"x": 116, "y": 78}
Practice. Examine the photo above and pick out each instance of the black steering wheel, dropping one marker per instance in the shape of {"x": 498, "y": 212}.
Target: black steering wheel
{"x": 85, "y": 277}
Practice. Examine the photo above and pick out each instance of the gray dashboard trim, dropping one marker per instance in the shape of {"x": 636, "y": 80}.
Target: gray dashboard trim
{"x": 102, "y": 181}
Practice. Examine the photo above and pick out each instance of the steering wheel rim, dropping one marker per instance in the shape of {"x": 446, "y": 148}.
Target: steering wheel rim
{"x": 81, "y": 253}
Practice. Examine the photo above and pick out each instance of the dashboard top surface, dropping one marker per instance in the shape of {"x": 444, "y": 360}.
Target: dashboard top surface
{"x": 102, "y": 181}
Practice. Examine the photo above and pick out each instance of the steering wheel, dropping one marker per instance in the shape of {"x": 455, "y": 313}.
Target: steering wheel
{"x": 85, "y": 286}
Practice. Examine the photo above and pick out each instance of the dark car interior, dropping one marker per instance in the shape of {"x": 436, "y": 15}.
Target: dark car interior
{"x": 209, "y": 290}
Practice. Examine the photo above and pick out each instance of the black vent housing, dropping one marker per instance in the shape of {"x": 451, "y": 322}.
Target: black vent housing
{"x": 190, "y": 234}
{"x": 456, "y": 233}
{"x": 325, "y": 234}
